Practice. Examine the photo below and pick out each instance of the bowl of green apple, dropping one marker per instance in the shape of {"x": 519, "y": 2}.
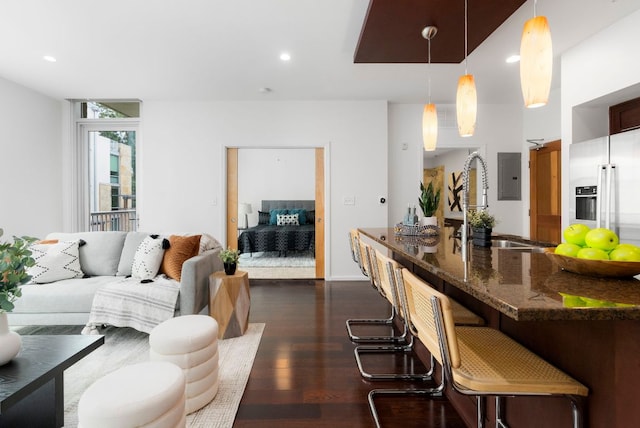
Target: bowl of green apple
{"x": 595, "y": 252}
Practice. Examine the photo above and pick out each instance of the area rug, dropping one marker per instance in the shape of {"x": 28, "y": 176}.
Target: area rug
{"x": 271, "y": 259}
{"x": 125, "y": 346}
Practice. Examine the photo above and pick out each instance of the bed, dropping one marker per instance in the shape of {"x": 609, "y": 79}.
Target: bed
{"x": 273, "y": 233}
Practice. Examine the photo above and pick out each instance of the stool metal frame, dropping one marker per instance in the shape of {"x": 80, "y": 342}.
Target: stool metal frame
{"x": 386, "y": 269}
{"x": 362, "y": 252}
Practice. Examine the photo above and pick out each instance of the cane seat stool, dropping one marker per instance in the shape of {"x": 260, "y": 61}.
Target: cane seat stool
{"x": 366, "y": 256}
{"x": 150, "y": 394}
{"x": 393, "y": 288}
{"x": 191, "y": 343}
{"x": 480, "y": 361}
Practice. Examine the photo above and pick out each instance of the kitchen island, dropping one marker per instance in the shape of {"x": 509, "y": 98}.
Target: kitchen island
{"x": 524, "y": 294}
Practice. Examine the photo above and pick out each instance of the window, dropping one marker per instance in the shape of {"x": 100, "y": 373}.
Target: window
{"x": 106, "y": 167}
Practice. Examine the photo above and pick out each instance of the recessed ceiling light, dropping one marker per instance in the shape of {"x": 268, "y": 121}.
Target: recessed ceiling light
{"x": 284, "y": 56}
{"x": 513, "y": 58}
{"x": 49, "y": 58}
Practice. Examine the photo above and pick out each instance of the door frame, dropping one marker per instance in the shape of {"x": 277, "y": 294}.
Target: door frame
{"x": 323, "y": 263}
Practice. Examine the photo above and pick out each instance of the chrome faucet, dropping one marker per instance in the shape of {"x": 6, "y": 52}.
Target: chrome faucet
{"x": 465, "y": 198}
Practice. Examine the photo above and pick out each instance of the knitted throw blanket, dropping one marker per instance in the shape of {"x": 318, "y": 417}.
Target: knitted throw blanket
{"x": 130, "y": 303}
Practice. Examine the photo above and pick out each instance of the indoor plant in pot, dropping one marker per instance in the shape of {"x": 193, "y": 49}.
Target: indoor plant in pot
{"x": 482, "y": 224}
{"x": 230, "y": 258}
{"x": 429, "y": 201}
{"x": 15, "y": 259}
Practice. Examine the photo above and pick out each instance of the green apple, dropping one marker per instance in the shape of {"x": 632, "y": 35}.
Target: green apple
{"x": 625, "y": 254}
{"x": 629, "y": 246}
{"x": 566, "y": 249}
{"x": 601, "y": 238}
{"x": 575, "y": 234}
{"x": 592, "y": 254}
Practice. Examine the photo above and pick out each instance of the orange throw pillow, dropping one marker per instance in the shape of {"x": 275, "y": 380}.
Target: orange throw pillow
{"x": 181, "y": 249}
{"x": 47, "y": 241}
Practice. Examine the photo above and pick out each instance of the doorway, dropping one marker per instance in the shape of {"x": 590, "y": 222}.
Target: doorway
{"x": 545, "y": 173}
{"x": 267, "y": 173}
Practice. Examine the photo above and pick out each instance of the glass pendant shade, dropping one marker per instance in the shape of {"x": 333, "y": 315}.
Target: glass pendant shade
{"x": 536, "y": 62}
{"x": 466, "y": 105}
{"x": 430, "y": 127}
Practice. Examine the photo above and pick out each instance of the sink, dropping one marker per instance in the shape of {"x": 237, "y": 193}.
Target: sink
{"x": 504, "y": 243}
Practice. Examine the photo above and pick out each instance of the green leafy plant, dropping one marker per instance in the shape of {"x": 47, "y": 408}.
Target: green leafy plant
{"x": 229, "y": 255}
{"x": 481, "y": 219}
{"x": 15, "y": 258}
{"x": 429, "y": 199}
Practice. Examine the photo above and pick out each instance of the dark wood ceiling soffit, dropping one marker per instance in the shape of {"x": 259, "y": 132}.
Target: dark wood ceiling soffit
{"x": 392, "y": 29}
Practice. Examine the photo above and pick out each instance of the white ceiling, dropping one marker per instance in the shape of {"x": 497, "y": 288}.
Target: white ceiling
{"x": 228, "y": 50}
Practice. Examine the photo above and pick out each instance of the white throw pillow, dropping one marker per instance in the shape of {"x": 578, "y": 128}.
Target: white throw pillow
{"x": 148, "y": 257}
{"x": 208, "y": 242}
{"x": 287, "y": 220}
{"x": 55, "y": 262}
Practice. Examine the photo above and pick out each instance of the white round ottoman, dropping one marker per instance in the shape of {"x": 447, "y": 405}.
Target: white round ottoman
{"x": 151, "y": 394}
{"x": 191, "y": 343}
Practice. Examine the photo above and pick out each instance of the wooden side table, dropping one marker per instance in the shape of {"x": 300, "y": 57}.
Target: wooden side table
{"x": 229, "y": 302}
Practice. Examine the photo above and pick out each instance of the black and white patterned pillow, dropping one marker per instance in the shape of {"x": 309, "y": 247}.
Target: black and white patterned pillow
{"x": 148, "y": 257}
{"x": 55, "y": 262}
{"x": 288, "y": 220}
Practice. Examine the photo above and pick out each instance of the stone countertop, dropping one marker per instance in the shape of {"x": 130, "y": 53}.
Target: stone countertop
{"x": 523, "y": 285}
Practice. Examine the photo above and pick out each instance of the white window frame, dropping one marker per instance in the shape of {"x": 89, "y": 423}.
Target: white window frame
{"x": 76, "y": 164}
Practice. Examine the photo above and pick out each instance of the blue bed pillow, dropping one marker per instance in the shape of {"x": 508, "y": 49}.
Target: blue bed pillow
{"x": 302, "y": 214}
{"x": 273, "y": 216}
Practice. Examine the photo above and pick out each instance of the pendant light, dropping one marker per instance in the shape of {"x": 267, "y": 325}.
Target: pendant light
{"x": 429, "y": 115}
{"x": 466, "y": 96}
{"x": 536, "y": 61}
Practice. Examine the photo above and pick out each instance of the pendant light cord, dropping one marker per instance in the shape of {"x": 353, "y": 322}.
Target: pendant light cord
{"x": 535, "y": 2}
{"x": 429, "y": 70}
{"x": 465, "y": 37}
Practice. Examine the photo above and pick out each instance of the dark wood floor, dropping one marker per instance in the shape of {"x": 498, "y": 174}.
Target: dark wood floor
{"x": 305, "y": 374}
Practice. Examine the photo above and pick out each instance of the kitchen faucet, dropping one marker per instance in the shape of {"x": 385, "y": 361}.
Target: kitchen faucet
{"x": 465, "y": 198}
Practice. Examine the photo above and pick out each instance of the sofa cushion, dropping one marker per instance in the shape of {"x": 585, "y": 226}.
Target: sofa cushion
{"x": 181, "y": 248}
{"x": 131, "y": 243}
{"x": 65, "y": 296}
{"x": 148, "y": 257}
{"x": 55, "y": 261}
{"x": 101, "y": 254}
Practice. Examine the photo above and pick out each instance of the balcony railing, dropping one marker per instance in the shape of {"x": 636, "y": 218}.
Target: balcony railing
{"x": 122, "y": 220}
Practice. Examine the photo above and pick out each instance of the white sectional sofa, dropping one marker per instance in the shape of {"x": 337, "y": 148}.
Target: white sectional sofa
{"x": 105, "y": 258}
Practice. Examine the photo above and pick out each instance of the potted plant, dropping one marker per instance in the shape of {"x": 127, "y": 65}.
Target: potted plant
{"x": 482, "y": 224}
{"x": 429, "y": 201}
{"x": 230, "y": 259}
{"x": 15, "y": 258}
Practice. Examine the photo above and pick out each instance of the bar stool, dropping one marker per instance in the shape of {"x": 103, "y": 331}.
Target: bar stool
{"x": 371, "y": 270}
{"x": 480, "y": 361}
{"x": 387, "y": 268}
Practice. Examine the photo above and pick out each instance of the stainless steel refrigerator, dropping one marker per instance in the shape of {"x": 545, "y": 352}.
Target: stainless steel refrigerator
{"x": 604, "y": 176}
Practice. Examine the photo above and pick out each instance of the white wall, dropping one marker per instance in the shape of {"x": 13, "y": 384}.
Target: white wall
{"x": 274, "y": 174}
{"x": 498, "y": 129}
{"x": 595, "y": 69}
{"x": 30, "y": 162}
{"x": 181, "y": 168}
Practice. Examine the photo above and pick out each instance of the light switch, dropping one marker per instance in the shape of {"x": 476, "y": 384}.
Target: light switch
{"x": 349, "y": 200}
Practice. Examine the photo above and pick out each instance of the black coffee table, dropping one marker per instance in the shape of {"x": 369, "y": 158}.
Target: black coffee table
{"x": 32, "y": 385}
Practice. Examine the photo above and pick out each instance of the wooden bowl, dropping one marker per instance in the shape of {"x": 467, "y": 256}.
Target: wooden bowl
{"x": 598, "y": 268}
